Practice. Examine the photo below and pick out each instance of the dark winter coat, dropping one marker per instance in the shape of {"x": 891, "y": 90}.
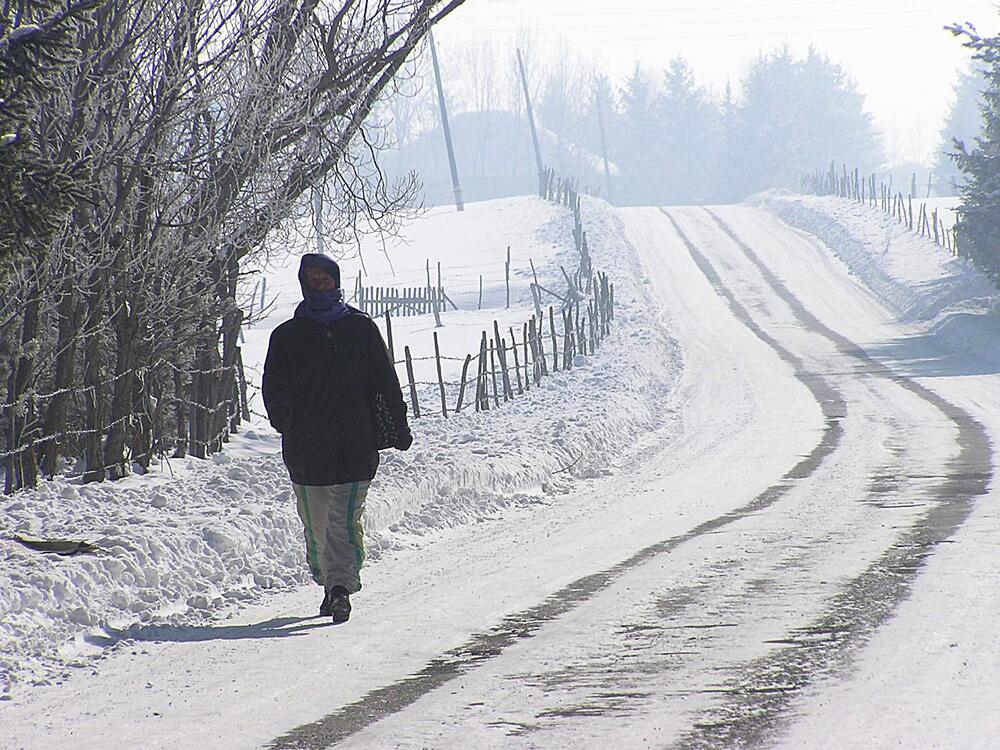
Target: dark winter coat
{"x": 319, "y": 387}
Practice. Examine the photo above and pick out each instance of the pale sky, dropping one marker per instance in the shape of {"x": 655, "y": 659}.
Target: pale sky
{"x": 896, "y": 50}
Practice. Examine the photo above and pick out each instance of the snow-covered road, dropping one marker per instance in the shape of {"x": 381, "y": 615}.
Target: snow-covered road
{"x": 799, "y": 560}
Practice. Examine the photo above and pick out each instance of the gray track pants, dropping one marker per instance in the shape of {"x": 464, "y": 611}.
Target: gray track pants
{"x": 335, "y": 539}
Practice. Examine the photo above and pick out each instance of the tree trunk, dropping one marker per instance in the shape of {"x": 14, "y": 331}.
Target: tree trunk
{"x": 181, "y": 412}
{"x": 122, "y": 395}
{"x": 22, "y": 469}
{"x": 66, "y": 342}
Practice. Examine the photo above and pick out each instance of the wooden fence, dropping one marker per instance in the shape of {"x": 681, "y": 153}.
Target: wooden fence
{"x": 852, "y": 185}
{"x": 405, "y": 301}
{"x": 509, "y": 362}
{"x": 402, "y": 302}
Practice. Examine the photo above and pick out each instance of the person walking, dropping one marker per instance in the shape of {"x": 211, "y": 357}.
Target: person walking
{"x": 331, "y": 390}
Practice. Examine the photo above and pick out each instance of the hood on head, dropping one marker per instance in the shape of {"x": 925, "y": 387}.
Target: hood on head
{"x": 317, "y": 260}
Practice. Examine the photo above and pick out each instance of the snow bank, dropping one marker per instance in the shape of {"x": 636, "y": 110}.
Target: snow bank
{"x": 193, "y": 539}
{"x": 940, "y": 295}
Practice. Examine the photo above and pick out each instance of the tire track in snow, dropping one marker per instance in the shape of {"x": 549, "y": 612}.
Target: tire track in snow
{"x": 480, "y": 648}
{"x": 761, "y": 692}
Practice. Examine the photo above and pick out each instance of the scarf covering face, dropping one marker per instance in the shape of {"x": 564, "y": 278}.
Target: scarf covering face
{"x": 323, "y": 307}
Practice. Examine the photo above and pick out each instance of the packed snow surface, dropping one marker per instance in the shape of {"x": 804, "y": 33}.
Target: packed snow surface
{"x": 668, "y": 521}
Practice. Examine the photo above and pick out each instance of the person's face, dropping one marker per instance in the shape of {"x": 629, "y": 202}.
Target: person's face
{"x": 319, "y": 280}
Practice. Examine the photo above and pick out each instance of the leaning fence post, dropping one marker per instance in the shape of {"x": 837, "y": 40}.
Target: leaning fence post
{"x": 437, "y": 357}
{"x": 413, "y": 383}
{"x": 461, "y": 390}
{"x": 536, "y": 296}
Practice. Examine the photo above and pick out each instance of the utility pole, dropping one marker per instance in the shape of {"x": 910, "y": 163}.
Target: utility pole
{"x": 444, "y": 124}
{"x": 604, "y": 143}
{"x": 531, "y": 121}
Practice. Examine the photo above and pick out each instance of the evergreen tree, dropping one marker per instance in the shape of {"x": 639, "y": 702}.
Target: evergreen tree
{"x": 797, "y": 115}
{"x": 964, "y": 123}
{"x": 688, "y": 123}
{"x": 729, "y": 148}
{"x": 978, "y": 223}
{"x": 638, "y": 142}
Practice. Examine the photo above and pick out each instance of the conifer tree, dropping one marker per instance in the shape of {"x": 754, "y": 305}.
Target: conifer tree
{"x": 978, "y": 224}
{"x": 688, "y": 121}
{"x": 639, "y": 140}
{"x": 963, "y": 123}
{"x": 797, "y": 114}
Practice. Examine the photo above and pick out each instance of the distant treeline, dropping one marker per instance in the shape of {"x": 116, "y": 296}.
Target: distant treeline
{"x": 666, "y": 139}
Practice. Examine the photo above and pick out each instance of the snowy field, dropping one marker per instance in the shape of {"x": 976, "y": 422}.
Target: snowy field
{"x": 669, "y": 523}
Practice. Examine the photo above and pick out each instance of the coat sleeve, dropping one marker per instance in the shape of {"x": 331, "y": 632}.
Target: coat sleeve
{"x": 383, "y": 373}
{"x": 277, "y": 385}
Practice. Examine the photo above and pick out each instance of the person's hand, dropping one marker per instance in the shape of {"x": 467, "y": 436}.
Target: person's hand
{"x": 404, "y": 439}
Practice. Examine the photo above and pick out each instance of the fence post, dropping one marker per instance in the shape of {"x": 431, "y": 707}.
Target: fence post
{"x": 534, "y": 290}
{"x": 536, "y": 361}
{"x": 555, "y": 347}
{"x": 517, "y": 361}
{"x": 413, "y": 384}
{"x": 442, "y": 307}
{"x": 437, "y": 358}
{"x": 493, "y": 373}
{"x": 508, "y": 392}
{"x": 388, "y": 333}
{"x": 432, "y": 298}
{"x": 482, "y": 399}
{"x": 461, "y": 390}
{"x": 524, "y": 339}
{"x": 567, "y": 340}
{"x": 540, "y": 342}
{"x": 507, "y": 275}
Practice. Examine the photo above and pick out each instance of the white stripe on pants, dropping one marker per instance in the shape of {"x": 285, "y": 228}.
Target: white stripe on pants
{"x": 335, "y": 538}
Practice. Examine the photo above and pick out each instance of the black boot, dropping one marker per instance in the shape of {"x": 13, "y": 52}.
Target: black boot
{"x": 325, "y": 608}
{"x": 339, "y": 603}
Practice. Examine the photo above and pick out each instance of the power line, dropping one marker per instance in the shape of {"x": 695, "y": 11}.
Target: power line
{"x": 630, "y": 20}
{"x": 716, "y": 34}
